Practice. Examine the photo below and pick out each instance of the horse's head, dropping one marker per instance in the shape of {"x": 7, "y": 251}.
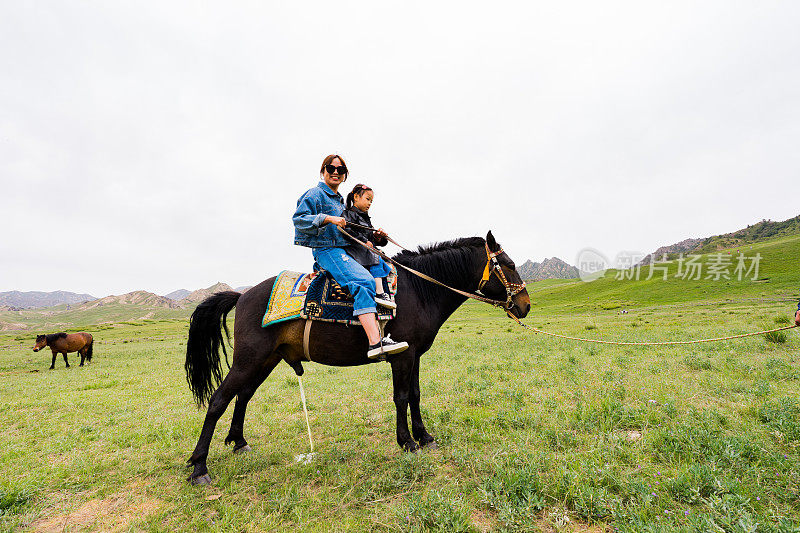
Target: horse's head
{"x": 41, "y": 342}
{"x": 501, "y": 281}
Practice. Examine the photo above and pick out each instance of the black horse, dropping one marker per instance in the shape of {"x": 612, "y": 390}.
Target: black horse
{"x": 422, "y": 308}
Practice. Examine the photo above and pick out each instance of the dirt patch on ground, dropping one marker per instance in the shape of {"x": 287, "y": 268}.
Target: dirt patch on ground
{"x": 482, "y": 521}
{"x": 12, "y": 326}
{"x": 116, "y": 512}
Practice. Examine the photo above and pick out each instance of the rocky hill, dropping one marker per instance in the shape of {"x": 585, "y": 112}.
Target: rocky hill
{"x": 180, "y": 294}
{"x": 685, "y": 246}
{"x": 758, "y": 232}
{"x": 552, "y": 268}
{"x": 201, "y": 294}
{"x": 35, "y": 299}
{"x": 139, "y": 298}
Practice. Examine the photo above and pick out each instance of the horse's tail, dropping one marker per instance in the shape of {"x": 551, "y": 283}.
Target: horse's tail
{"x": 89, "y": 351}
{"x": 203, "y": 365}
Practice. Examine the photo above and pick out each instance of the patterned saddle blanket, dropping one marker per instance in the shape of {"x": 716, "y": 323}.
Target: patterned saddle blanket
{"x": 316, "y": 296}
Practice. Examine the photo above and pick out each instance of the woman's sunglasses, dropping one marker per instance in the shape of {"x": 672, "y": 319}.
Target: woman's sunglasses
{"x": 341, "y": 170}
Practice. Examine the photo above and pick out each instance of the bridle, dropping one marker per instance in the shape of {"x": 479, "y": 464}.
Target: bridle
{"x": 493, "y": 267}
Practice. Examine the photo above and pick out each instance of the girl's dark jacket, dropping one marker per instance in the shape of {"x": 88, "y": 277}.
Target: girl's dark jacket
{"x": 359, "y": 253}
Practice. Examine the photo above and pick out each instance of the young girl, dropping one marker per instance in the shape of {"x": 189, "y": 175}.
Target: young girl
{"x": 356, "y": 212}
{"x": 318, "y": 213}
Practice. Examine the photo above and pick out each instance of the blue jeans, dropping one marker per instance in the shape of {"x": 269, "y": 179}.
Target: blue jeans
{"x": 349, "y": 274}
{"x": 381, "y": 270}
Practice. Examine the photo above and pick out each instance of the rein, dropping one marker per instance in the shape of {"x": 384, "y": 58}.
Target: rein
{"x": 511, "y": 289}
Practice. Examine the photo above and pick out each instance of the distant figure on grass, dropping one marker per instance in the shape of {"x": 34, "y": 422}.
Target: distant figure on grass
{"x": 797, "y": 314}
{"x": 63, "y": 343}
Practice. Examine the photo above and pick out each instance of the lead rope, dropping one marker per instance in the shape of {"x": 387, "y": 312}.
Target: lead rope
{"x": 665, "y": 343}
{"x": 497, "y": 303}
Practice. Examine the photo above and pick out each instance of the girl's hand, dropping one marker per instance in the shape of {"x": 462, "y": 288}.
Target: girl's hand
{"x": 339, "y": 221}
{"x": 380, "y": 233}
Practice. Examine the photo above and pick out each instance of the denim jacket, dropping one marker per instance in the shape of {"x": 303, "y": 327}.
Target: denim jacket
{"x": 312, "y": 208}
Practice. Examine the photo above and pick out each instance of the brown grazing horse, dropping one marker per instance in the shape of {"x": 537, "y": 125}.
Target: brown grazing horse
{"x": 422, "y": 308}
{"x": 62, "y": 343}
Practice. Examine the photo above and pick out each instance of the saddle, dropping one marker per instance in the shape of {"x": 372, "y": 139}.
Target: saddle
{"x": 316, "y": 296}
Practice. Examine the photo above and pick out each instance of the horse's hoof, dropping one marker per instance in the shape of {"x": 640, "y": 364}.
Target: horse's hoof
{"x": 244, "y": 449}
{"x": 411, "y": 447}
{"x": 205, "y": 479}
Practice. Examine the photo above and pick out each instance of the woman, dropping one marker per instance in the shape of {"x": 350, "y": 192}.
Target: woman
{"x": 316, "y": 219}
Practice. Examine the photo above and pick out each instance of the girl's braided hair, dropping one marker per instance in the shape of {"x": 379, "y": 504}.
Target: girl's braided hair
{"x": 359, "y": 189}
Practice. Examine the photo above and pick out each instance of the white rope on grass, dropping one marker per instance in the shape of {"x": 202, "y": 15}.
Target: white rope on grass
{"x": 305, "y": 458}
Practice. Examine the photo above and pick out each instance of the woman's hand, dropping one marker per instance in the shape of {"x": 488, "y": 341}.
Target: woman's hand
{"x": 339, "y": 221}
{"x": 370, "y": 244}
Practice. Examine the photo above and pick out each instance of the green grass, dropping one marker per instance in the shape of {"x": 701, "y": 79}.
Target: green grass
{"x": 536, "y": 433}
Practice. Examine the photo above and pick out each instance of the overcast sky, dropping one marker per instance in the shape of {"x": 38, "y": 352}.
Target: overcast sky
{"x": 163, "y": 145}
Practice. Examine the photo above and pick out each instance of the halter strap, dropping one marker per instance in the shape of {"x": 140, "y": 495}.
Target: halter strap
{"x": 493, "y": 267}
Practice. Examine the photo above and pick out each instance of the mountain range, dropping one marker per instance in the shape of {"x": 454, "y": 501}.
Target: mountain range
{"x": 30, "y": 299}
{"x": 17, "y": 301}
{"x": 552, "y": 268}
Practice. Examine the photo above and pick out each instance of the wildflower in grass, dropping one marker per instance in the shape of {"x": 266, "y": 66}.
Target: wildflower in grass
{"x": 686, "y": 512}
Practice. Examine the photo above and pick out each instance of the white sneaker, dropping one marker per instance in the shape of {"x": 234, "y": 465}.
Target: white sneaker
{"x": 386, "y": 346}
{"x": 385, "y": 300}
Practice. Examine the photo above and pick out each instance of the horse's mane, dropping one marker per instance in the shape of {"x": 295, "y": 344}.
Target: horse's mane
{"x": 54, "y": 336}
{"x": 450, "y": 262}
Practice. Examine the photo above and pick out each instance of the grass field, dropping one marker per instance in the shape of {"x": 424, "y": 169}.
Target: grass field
{"x": 536, "y": 433}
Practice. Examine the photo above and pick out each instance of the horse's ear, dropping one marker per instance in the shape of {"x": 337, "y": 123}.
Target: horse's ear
{"x": 490, "y": 241}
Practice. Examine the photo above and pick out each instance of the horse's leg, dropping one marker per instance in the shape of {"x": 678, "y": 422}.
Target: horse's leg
{"x": 82, "y": 353}
{"x": 421, "y": 435}
{"x": 65, "y": 358}
{"x": 55, "y": 354}
{"x": 230, "y": 387}
{"x": 236, "y": 433}
{"x": 402, "y": 371}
